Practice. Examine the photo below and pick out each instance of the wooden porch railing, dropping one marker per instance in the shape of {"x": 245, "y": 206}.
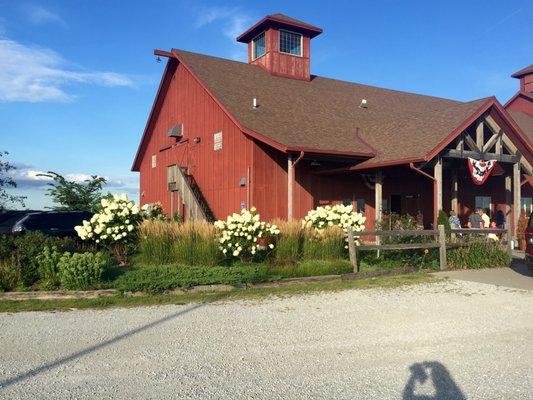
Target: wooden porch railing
{"x": 440, "y": 242}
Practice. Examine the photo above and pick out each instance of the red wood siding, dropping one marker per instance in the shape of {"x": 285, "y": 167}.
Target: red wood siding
{"x": 521, "y": 104}
{"x": 217, "y": 172}
{"x": 281, "y": 64}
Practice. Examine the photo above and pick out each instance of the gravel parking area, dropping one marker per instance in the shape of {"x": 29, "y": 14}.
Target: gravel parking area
{"x": 446, "y": 340}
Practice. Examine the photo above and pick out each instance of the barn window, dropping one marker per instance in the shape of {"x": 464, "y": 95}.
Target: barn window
{"x": 258, "y": 45}
{"x": 154, "y": 161}
{"x": 290, "y": 43}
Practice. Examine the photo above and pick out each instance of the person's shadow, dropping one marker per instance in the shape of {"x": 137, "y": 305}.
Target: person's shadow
{"x": 442, "y": 385}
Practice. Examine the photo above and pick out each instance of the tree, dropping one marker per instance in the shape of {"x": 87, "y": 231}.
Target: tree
{"x": 6, "y": 181}
{"x": 70, "y": 195}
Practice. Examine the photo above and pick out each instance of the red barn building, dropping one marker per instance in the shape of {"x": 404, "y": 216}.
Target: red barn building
{"x": 223, "y": 135}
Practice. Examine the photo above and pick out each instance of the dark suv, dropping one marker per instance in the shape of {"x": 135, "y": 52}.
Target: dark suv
{"x": 55, "y": 223}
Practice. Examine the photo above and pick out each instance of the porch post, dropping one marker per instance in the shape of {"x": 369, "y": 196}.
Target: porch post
{"x": 290, "y": 184}
{"x": 516, "y": 195}
{"x": 378, "y": 193}
{"x": 455, "y": 191}
{"x": 437, "y": 191}
{"x": 508, "y": 200}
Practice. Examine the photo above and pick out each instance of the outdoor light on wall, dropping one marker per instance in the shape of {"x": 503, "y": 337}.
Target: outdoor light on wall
{"x": 197, "y": 139}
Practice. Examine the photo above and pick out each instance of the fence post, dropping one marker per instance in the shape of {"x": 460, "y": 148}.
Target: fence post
{"x": 509, "y": 242}
{"x": 442, "y": 248}
{"x": 352, "y": 250}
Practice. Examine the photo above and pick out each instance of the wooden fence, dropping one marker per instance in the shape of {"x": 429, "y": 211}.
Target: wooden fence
{"x": 440, "y": 235}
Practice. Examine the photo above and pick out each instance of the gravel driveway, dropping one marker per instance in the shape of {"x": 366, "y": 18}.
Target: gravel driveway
{"x": 448, "y": 340}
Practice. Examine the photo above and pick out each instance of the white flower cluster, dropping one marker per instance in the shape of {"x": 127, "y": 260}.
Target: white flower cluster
{"x": 243, "y": 235}
{"x": 337, "y": 215}
{"x": 116, "y": 222}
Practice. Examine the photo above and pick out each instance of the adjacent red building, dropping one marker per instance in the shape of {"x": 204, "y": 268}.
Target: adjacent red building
{"x": 223, "y": 135}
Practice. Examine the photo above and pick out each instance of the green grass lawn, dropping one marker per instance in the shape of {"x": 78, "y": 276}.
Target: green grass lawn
{"x": 244, "y": 293}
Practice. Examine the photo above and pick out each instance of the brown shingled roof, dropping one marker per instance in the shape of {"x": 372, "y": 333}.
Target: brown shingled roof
{"x": 325, "y": 114}
{"x": 279, "y": 20}
{"x": 524, "y": 71}
{"x": 525, "y": 122}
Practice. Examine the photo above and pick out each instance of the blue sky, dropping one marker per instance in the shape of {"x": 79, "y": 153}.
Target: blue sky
{"x": 77, "y": 78}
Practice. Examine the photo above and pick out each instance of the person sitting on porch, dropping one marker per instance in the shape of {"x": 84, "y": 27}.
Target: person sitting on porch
{"x": 454, "y": 221}
{"x": 475, "y": 221}
{"x": 493, "y": 236}
{"x": 486, "y": 218}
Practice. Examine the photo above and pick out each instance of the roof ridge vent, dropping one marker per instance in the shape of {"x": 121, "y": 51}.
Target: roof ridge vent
{"x": 255, "y": 103}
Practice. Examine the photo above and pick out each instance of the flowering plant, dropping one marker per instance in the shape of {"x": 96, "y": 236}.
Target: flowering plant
{"x": 244, "y": 235}
{"x": 114, "y": 226}
{"x": 337, "y": 215}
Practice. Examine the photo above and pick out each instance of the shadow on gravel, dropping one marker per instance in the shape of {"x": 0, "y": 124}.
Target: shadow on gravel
{"x": 441, "y": 386}
{"x": 63, "y": 360}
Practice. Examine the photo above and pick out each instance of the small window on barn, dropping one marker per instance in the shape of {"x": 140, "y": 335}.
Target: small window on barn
{"x": 290, "y": 43}
{"x": 258, "y": 45}
{"x": 217, "y": 141}
{"x": 154, "y": 161}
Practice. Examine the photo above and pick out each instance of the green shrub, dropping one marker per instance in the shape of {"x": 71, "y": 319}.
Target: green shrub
{"x": 156, "y": 250}
{"x": 81, "y": 271}
{"x": 478, "y": 254}
{"x": 442, "y": 219}
{"x": 7, "y": 246}
{"x": 28, "y": 246}
{"x": 9, "y": 275}
{"x": 47, "y": 266}
{"x": 167, "y": 277}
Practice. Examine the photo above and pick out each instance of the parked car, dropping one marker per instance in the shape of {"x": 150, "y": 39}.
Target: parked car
{"x": 55, "y": 223}
{"x": 529, "y": 242}
{"x": 8, "y": 218}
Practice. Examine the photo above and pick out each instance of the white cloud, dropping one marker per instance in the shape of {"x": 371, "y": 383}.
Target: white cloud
{"x": 38, "y": 15}
{"x": 232, "y": 21}
{"x": 36, "y": 74}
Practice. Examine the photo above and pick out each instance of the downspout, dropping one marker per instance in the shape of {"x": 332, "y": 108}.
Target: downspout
{"x": 412, "y": 166}
{"x": 290, "y": 183}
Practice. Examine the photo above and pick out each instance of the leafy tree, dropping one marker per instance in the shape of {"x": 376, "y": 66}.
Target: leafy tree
{"x": 70, "y": 195}
{"x": 6, "y": 181}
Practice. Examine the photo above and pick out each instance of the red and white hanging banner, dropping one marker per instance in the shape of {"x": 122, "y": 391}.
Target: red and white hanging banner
{"x": 480, "y": 170}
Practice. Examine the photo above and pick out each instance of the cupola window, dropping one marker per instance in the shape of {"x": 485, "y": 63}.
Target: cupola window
{"x": 259, "y": 45}
{"x": 290, "y": 43}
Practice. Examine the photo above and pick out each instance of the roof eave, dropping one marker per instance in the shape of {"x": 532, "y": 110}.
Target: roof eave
{"x": 246, "y": 36}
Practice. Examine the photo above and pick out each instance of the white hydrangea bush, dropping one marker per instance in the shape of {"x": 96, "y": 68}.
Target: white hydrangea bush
{"x": 244, "y": 235}
{"x": 114, "y": 226}
{"x": 336, "y": 215}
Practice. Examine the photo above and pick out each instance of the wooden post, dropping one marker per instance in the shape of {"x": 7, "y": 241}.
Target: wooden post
{"x": 479, "y": 135}
{"x": 290, "y": 184}
{"x": 516, "y": 196}
{"x": 455, "y": 191}
{"x": 509, "y": 235}
{"x": 378, "y": 193}
{"x": 442, "y": 248}
{"x": 437, "y": 203}
{"x": 508, "y": 200}
{"x": 352, "y": 250}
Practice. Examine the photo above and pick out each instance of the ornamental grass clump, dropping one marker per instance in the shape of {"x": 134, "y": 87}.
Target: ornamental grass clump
{"x": 170, "y": 242}
{"x": 245, "y": 236}
{"x": 289, "y": 242}
{"x": 196, "y": 244}
{"x": 324, "y": 244}
{"x": 114, "y": 227}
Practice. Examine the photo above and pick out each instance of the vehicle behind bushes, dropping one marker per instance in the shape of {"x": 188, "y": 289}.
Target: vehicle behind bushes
{"x": 53, "y": 223}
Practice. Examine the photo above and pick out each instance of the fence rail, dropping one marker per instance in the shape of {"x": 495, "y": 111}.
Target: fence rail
{"x": 439, "y": 234}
